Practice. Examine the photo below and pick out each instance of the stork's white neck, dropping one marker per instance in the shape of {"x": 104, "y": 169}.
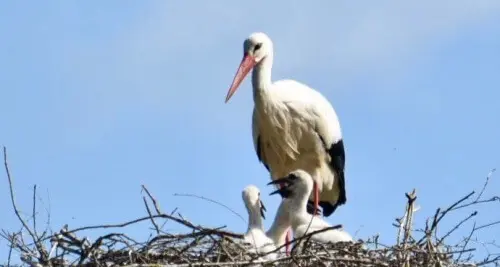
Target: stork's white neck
{"x": 299, "y": 202}
{"x": 280, "y": 225}
{"x": 254, "y": 219}
{"x": 261, "y": 77}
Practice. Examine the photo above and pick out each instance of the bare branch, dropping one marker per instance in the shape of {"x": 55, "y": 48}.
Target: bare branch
{"x": 155, "y": 203}
{"x": 456, "y": 227}
{"x": 33, "y": 216}
{"x": 41, "y": 250}
{"x": 487, "y": 225}
{"x": 213, "y": 201}
{"x": 488, "y": 177}
{"x": 151, "y": 216}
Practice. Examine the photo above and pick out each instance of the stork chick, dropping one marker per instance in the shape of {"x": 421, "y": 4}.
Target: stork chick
{"x": 255, "y": 235}
{"x": 296, "y": 187}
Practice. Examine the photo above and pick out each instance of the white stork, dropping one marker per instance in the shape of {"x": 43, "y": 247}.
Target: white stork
{"x": 297, "y": 188}
{"x": 255, "y": 235}
{"x": 294, "y": 127}
{"x": 282, "y": 222}
{"x": 278, "y": 231}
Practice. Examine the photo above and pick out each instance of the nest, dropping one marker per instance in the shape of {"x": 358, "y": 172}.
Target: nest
{"x": 204, "y": 246}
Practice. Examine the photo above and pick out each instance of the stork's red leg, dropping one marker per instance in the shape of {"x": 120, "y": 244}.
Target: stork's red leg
{"x": 316, "y": 198}
{"x": 287, "y": 240}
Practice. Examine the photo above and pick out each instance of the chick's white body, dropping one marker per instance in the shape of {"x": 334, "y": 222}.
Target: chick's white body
{"x": 301, "y": 221}
{"x": 255, "y": 235}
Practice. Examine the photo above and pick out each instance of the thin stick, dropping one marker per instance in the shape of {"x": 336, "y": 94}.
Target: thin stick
{"x": 440, "y": 215}
{"x": 488, "y": 177}
{"x": 16, "y": 211}
{"x": 11, "y": 247}
{"x": 164, "y": 216}
{"x": 166, "y": 220}
{"x": 48, "y": 211}
{"x": 12, "y": 198}
{"x": 456, "y": 227}
{"x": 487, "y": 225}
{"x": 304, "y": 237}
{"x": 213, "y": 201}
{"x": 151, "y": 216}
{"x": 155, "y": 203}
{"x": 467, "y": 241}
{"x": 34, "y": 210}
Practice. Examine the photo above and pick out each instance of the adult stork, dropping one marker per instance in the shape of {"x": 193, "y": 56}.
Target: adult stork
{"x": 294, "y": 127}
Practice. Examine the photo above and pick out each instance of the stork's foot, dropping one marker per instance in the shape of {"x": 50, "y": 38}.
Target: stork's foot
{"x": 328, "y": 208}
{"x": 310, "y": 208}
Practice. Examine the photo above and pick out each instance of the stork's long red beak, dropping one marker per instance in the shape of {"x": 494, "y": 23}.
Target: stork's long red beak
{"x": 247, "y": 63}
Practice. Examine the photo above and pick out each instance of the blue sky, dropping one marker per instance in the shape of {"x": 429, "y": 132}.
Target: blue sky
{"x": 99, "y": 97}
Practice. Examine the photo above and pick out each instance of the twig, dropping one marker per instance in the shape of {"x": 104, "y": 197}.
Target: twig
{"x": 307, "y": 229}
{"x": 478, "y": 198}
{"x": 440, "y": 215}
{"x": 487, "y": 225}
{"x": 456, "y": 227}
{"x": 488, "y": 177}
{"x": 155, "y": 203}
{"x": 466, "y": 241}
{"x": 213, "y": 201}
{"x": 496, "y": 259}
{"x": 43, "y": 256}
{"x": 151, "y": 216}
{"x": 166, "y": 220}
{"x": 409, "y": 217}
{"x": 475, "y": 202}
{"x": 10, "y": 253}
{"x": 48, "y": 211}
{"x": 164, "y": 216}
{"x": 304, "y": 237}
{"x": 12, "y": 197}
{"x": 34, "y": 210}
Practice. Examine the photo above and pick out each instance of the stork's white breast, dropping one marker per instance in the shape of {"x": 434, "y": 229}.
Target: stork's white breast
{"x": 289, "y": 120}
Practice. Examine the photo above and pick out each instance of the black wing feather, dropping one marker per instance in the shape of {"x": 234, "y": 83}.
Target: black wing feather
{"x": 337, "y": 155}
{"x": 337, "y": 163}
{"x": 259, "y": 151}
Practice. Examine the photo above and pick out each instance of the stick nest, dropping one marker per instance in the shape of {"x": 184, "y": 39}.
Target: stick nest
{"x": 204, "y": 246}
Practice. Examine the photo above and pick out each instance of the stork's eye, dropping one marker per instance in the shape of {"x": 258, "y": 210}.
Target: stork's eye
{"x": 257, "y": 47}
{"x": 293, "y": 177}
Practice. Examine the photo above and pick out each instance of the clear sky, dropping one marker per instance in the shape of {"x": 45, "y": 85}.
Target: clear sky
{"x": 99, "y": 97}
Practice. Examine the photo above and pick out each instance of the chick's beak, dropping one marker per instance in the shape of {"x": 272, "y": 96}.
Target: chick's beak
{"x": 262, "y": 209}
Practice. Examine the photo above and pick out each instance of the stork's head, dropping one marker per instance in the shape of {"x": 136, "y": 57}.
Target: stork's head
{"x": 255, "y": 49}
{"x": 296, "y": 183}
{"x": 251, "y": 197}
